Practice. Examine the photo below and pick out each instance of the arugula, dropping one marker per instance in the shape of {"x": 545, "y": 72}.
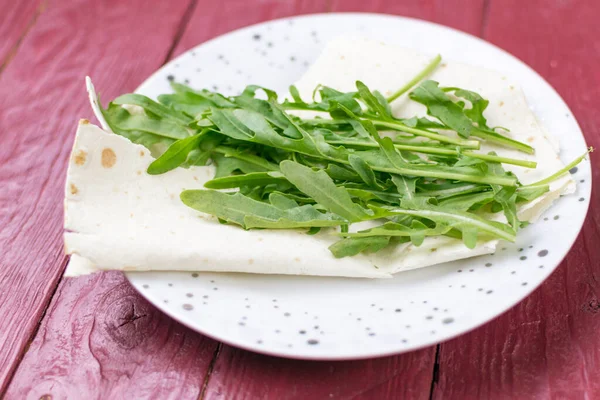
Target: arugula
{"x": 360, "y": 163}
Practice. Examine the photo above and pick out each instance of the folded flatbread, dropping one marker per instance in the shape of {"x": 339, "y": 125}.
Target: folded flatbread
{"x": 119, "y": 217}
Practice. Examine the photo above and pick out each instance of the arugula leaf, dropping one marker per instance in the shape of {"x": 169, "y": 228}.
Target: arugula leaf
{"x": 478, "y": 105}
{"x": 251, "y": 179}
{"x": 466, "y": 202}
{"x": 351, "y": 246}
{"x": 248, "y": 213}
{"x": 373, "y": 103}
{"x": 459, "y": 119}
{"x": 215, "y": 99}
{"x": 152, "y": 108}
{"x": 281, "y": 201}
{"x": 175, "y": 155}
{"x": 417, "y": 230}
{"x": 363, "y": 170}
{"x": 319, "y": 186}
{"x": 459, "y": 220}
{"x": 121, "y": 121}
{"x": 440, "y": 106}
{"x": 406, "y": 186}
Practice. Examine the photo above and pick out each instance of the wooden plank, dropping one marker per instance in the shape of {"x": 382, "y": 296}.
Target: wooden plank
{"x": 42, "y": 95}
{"x": 465, "y": 15}
{"x": 547, "y": 346}
{"x": 214, "y": 18}
{"x": 16, "y": 20}
{"x": 239, "y": 374}
{"x": 100, "y": 339}
{"x": 244, "y": 375}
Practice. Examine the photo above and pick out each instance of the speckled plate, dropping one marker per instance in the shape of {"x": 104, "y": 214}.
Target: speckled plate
{"x": 335, "y": 318}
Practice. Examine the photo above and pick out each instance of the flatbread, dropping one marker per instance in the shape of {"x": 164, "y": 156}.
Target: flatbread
{"x": 119, "y": 217}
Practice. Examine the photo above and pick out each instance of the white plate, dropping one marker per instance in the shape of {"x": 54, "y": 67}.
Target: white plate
{"x": 334, "y": 318}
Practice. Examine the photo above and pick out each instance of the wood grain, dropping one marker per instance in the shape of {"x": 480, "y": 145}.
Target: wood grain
{"x": 16, "y": 19}
{"x": 465, "y": 15}
{"x": 239, "y": 374}
{"x": 42, "y": 95}
{"x": 547, "y": 346}
{"x": 214, "y": 18}
{"x": 101, "y": 340}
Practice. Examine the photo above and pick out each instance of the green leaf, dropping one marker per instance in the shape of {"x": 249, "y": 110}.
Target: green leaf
{"x": 185, "y": 103}
{"x": 252, "y": 179}
{"x": 319, "y": 186}
{"x": 529, "y": 193}
{"x": 372, "y": 102}
{"x": 282, "y": 202}
{"x": 339, "y": 173}
{"x": 460, "y": 220}
{"x": 406, "y": 186}
{"x": 299, "y": 217}
{"x": 249, "y": 213}
{"x": 348, "y": 247}
{"x": 122, "y": 120}
{"x": 153, "y": 108}
{"x": 440, "y": 106}
{"x": 216, "y": 99}
{"x": 229, "y": 207}
{"x": 478, "y": 105}
{"x": 458, "y": 118}
{"x": 175, "y": 155}
{"x": 417, "y": 230}
{"x": 363, "y": 170}
{"x": 466, "y": 202}
{"x": 507, "y": 198}
{"x": 469, "y": 236}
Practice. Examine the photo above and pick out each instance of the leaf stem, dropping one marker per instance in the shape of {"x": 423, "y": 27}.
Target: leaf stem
{"x": 469, "y": 144}
{"x": 440, "y": 151}
{"x": 503, "y": 140}
{"x": 428, "y": 69}
{"x": 562, "y": 171}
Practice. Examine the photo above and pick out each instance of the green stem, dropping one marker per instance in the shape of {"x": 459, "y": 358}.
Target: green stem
{"x": 428, "y": 69}
{"x": 562, "y": 171}
{"x": 469, "y": 144}
{"x": 460, "y": 218}
{"x": 254, "y": 159}
{"x": 502, "y": 160}
{"x": 503, "y": 140}
{"x": 485, "y": 179}
{"x": 440, "y": 151}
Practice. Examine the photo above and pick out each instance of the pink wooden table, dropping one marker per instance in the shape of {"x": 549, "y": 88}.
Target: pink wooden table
{"x": 95, "y": 337}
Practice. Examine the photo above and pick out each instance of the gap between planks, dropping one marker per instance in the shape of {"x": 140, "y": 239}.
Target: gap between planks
{"x": 36, "y": 330}
{"x": 211, "y": 366}
{"x": 185, "y": 20}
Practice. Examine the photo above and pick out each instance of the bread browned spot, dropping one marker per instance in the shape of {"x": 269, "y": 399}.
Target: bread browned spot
{"x": 109, "y": 158}
{"x": 80, "y": 157}
{"x": 74, "y": 189}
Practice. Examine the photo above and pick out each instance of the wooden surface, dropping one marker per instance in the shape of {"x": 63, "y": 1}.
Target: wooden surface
{"x": 94, "y": 337}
